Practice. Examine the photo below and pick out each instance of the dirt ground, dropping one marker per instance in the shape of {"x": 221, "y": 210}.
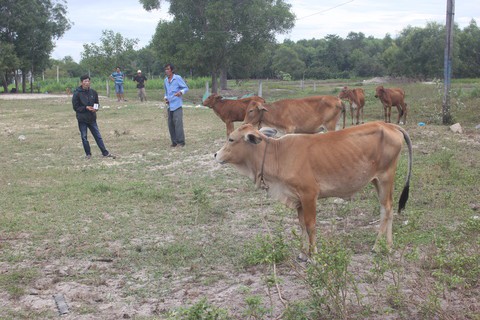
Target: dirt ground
{"x": 107, "y": 298}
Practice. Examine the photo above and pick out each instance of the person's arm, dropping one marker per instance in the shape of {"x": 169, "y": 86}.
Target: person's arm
{"x": 77, "y": 103}
{"x": 182, "y": 86}
{"x": 165, "y": 95}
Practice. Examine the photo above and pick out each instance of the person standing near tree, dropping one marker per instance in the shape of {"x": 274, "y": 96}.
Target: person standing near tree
{"x": 140, "y": 80}
{"x": 85, "y": 103}
{"x": 175, "y": 88}
{"x": 118, "y": 76}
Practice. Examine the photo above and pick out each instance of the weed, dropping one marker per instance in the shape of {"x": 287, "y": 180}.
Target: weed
{"x": 329, "y": 280}
{"x": 14, "y": 282}
{"x": 255, "y": 309}
{"x": 202, "y": 310}
{"x": 265, "y": 250}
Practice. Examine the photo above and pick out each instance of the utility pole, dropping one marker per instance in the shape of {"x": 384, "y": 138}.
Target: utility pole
{"x": 447, "y": 72}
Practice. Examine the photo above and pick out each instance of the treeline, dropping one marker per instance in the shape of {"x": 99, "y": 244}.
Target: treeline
{"x": 416, "y": 53}
{"x": 216, "y": 39}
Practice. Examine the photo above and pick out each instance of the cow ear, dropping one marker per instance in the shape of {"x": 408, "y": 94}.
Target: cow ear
{"x": 262, "y": 107}
{"x": 269, "y": 132}
{"x": 253, "y": 138}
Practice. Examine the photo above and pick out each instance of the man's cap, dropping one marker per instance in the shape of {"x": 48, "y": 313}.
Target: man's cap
{"x": 139, "y": 71}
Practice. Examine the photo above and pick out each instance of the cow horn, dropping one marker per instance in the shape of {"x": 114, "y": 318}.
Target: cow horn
{"x": 269, "y": 132}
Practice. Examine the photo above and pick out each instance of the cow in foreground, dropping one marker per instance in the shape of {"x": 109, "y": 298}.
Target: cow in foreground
{"x": 298, "y": 169}
{"x": 230, "y": 110}
{"x": 393, "y": 97}
{"x": 356, "y": 98}
{"x": 306, "y": 115}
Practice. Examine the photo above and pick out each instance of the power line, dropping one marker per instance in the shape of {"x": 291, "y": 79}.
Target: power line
{"x": 319, "y": 12}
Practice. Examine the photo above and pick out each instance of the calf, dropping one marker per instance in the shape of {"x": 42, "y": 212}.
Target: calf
{"x": 297, "y": 169}
{"x": 306, "y": 115}
{"x": 392, "y": 97}
{"x": 230, "y": 110}
{"x": 356, "y": 97}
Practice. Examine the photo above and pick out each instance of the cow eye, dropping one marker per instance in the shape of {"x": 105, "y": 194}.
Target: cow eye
{"x": 230, "y": 140}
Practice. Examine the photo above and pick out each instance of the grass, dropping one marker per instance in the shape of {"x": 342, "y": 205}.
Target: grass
{"x": 163, "y": 232}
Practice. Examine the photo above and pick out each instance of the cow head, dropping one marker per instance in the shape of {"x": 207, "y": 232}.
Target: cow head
{"x": 379, "y": 91}
{"x": 345, "y": 93}
{"x": 254, "y": 113}
{"x": 243, "y": 145}
{"x": 211, "y": 100}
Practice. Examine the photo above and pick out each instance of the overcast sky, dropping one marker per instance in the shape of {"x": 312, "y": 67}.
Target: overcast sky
{"x": 315, "y": 19}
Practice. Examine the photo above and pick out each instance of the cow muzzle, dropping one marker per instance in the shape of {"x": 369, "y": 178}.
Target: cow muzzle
{"x": 217, "y": 158}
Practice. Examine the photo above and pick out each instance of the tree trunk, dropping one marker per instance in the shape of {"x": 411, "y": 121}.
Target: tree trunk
{"x": 223, "y": 79}
{"x": 4, "y": 83}
{"x": 16, "y": 80}
{"x": 24, "y": 81}
{"x": 214, "y": 83}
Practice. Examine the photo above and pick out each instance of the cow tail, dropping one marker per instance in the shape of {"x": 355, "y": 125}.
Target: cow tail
{"x": 406, "y": 188}
{"x": 344, "y": 111}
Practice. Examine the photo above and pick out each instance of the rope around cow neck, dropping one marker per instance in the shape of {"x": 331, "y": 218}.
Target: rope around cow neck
{"x": 262, "y": 183}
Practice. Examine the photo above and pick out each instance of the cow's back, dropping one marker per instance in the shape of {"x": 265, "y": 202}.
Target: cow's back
{"x": 396, "y": 95}
{"x": 359, "y": 96}
{"x": 359, "y": 153}
{"x": 234, "y": 110}
{"x": 306, "y": 115}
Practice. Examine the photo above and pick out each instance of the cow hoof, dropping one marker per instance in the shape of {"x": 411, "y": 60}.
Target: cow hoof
{"x": 302, "y": 257}
{"x": 401, "y": 123}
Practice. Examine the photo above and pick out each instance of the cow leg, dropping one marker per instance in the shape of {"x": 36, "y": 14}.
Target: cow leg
{"x": 230, "y": 127}
{"x": 307, "y": 218}
{"x": 400, "y": 113}
{"x": 351, "y": 112}
{"x": 303, "y": 256}
{"x": 309, "y": 206}
{"x": 389, "y": 113}
{"x": 361, "y": 110}
{"x": 358, "y": 115}
{"x": 385, "y": 112}
{"x": 385, "y": 195}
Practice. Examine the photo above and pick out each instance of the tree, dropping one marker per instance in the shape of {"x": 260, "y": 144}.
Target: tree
{"x": 31, "y": 26}
{"x": 417, "y": 52}
{"x": 468, "y": 65}
{"x": 9, "y": 62}
{"x": 216, "y": 31}
{"x": 286, "y": 60}
{"x": 113, "y": 51}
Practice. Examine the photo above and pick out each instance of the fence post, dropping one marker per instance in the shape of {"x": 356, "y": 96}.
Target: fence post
{"x": 260, "y": 88}
{"x": 108, "y": 88}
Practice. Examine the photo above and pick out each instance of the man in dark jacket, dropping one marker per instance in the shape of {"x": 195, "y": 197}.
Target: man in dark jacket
{"x": 85, "y": 103}
{"x": 140, "y": 79}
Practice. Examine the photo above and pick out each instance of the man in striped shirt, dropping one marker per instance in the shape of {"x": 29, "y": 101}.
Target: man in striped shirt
{"x": 118, "y": 77}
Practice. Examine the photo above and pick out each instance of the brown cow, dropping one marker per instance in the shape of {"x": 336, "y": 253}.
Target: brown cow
{"x": 297, "y": 169}
{"x": 392, "y": 97}
{"x": 229, "y": 110}
{"x": 356, "y": 97}
{"x": 306, "y": 115}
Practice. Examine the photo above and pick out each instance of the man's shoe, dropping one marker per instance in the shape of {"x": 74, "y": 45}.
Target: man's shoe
{"x": 110, "y": 156}
{"x": 182, "y": 145}
{"x": 173, "y": 145}
{"x": 88, "y": 156}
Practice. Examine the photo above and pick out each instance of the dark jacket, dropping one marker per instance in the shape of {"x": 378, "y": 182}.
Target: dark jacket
{"x": 80, "y": 100}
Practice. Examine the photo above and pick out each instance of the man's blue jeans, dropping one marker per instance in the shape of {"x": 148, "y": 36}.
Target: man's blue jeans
{"x": 96, "y": 135}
